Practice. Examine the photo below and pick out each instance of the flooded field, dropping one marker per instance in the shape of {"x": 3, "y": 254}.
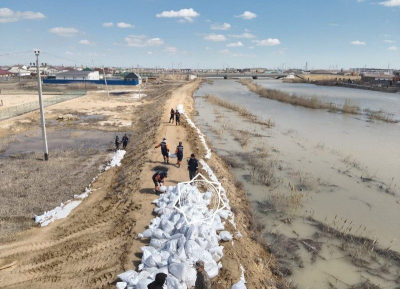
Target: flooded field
{"x": 325, "y": 186}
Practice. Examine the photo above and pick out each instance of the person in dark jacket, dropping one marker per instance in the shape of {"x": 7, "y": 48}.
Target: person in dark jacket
{"x": 164, "y": 150}
{"x": 117, "y": 143}
{"x": 179, "y": 154}
{"x": 158, "y": 180}
{"x": 193, "y": 166}
{"x": 172, "y": 116}
{"x": 125, "y": 140}
{"x": 159, "y": 282}
{"x": 177, "y": 118}
{"x": 202, "y": 280}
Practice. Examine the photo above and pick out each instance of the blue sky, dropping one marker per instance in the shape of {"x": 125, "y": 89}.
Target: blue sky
{"x": 208, "y": 34}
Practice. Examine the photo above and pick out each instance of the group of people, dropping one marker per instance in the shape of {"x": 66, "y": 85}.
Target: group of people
{"x": 202, "y": 280}
{"x": 193, "y": 164}
{"x": 124, "y": 141}
{"x": 175, "y": 114}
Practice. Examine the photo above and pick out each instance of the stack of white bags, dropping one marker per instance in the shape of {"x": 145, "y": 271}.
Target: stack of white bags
{"x": 178, "y": 242}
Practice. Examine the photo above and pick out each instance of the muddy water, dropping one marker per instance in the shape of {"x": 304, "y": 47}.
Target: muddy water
{"x": 366, "y": 99}
{"x": 345, "y": 168}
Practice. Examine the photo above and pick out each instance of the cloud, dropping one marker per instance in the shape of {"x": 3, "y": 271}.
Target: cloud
{"x": 357, "y": 42}
{"x": 149, "y": 52}
{"x": 217, "y": 26}
{"x": 227, "y": 52}
{"x": 235, "y": 44}
{"x": 86, "y": 42}
{"x": 64, "y": 31}
{"x": 171, "y": 49}
{"x": 390, "y": 3}
{"x": 125, "y": 25}
{"x": 267, "y": 42}
{"x": 389, "y": 41}
{"x": 141, "y": 41}
{"x": 186, "y": 15}
{"x": 224, "y": 51}
{"x": 215, "y": 37}
{"x": 247, "y": 15}
{"x": 108, "y": 24}
{"x": 7, "y": 15}
{"x": 244, "y": 35}
{"x": 393, "y": 48}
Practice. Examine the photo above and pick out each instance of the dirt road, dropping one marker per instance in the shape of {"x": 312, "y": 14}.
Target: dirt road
{"x": 99, "y": 238}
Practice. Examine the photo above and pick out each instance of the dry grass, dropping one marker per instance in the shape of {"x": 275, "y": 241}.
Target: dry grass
{"x": 263, "y": 172}
{"x": 239, "y": 109}
{"x": 381, "y": 115}
{"x": 31, "y": 186}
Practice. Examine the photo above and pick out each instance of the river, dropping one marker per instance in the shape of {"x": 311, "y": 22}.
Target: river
{"x": 345, "y": 167}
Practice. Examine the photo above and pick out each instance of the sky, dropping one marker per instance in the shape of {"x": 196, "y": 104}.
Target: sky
{"x": 202, "y": 34}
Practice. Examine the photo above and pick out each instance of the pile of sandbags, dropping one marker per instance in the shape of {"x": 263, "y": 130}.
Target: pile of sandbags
{"x": 180, "y": 238}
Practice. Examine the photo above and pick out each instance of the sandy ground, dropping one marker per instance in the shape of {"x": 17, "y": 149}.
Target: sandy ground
{"x": 10, "y": 100}
{"x": 99, "y": 238}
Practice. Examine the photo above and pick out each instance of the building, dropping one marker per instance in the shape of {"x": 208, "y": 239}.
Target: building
{"x": 78, "y": 75}
{"x": 131, "y": 76}
{"x": 5, "y": 73}
{"x": 20, "y": 71}
{"x": 382, "y": 79}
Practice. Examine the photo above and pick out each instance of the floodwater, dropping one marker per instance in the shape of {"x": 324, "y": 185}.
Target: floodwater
{"x": 346, "y": 170}
{"x": 365, "y": 99}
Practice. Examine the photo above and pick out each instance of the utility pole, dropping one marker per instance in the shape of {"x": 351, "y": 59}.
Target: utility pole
{"x": 105, "y": 81}
{"x": 44, "y": 136}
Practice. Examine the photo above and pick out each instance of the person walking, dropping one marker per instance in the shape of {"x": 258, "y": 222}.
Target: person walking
{"x": 171, "y": 118}
{"x": 193, "y": 166}
{"x": 177, "y": 118}
{"x": 159, "y": 282}
{"x": 179, "y": 154}
{"x": 158, "y": 180}
{"x": 117, "y": 143}
{"x": 164, "y": 150}
{"x": 202, "y": 280}
{"x": 125, "y": 140}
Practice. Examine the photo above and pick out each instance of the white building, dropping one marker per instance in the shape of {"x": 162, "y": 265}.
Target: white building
{"x": 20, "y": 71}
{"x": 78, "y": 75}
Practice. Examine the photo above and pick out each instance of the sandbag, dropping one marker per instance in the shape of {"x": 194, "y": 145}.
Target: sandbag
{"x": 190, "y": 276}
{"x": 225, "y": 236}
{"x": 121, "y": 285}
{"x": 178, "y": 270}
{"x": 147, "y": 233}
{"x": 157, "y": 243}
{"x": 152, "y": 260}
{"x": 128, "y": 276}
{"x": 172, "y": 282}
{"x": 239, "y": 285}
{"x": 143, "y": 283}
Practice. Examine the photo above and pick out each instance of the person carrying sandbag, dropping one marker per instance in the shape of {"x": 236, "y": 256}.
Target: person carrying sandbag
{"x": 164, "y": 150}
{"x": 158, "y": 180}
{"x": 172, "y": 116}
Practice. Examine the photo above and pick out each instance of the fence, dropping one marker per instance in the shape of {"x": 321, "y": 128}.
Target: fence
{"x": 34, "y": 105}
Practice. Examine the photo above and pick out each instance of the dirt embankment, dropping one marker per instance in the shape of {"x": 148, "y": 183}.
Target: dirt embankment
{"x": 99, "y": 238}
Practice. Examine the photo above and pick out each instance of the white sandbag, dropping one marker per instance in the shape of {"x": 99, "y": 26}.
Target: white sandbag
{"x": 192, "y": 232}
{"x": 143, "y": 283}
{"x": 225, "y": 236}
{"x": 167, "y": 226}
{"x": 216, "y": 253}
{"x": 212, "y": 269}
{"x": 224, "y": 214}
{"x": 172, "y": 155}
{"x": 147, "y": 233}
{"x": 152, "y": 260}
{"x": 121, "y": 285}
{"x": 157, "y": 243}
{"x": 162, "y": 189}
{"x": 178, "y": 270}
{"x": 202, "y": 242}
{"x": 190, "y": 276}
{"x": 172, "y": 282}
{"x": 128, "y": 276}
{"x": 160, "y": 234}
{"x": 192, "y": 248}
{"x": 239, "y": 285}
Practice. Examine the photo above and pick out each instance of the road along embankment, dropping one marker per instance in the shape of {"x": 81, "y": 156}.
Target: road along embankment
{"x": 171, "y": 246}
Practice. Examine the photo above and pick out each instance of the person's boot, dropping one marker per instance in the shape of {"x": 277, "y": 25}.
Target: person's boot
{"x": 167, "y": 161}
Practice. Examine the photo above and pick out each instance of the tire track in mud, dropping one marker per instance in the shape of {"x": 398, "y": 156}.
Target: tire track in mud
{"x": 87, "y": 249}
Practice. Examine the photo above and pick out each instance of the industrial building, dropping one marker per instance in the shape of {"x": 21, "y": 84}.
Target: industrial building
{"x": 78, "y": 75}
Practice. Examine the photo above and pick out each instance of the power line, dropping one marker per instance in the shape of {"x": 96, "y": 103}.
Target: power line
{"x": 15, "y": 53}
{"x": 68, "y": 59}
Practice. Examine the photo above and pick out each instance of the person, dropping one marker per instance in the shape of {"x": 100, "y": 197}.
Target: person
{"x": 159, "y": 282}
{"x": 125, "y": 140}
{"x": 172, "y": 116}
{"x": 179, "y": 154}
{"x": 177, "y": 117}
{"x": 202, "y": 280}
{"x": 158, "y": 179}
{"x": 117, "y": 143}
{"x": 164, "y": 150}
{"x": 193, "y": 166}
